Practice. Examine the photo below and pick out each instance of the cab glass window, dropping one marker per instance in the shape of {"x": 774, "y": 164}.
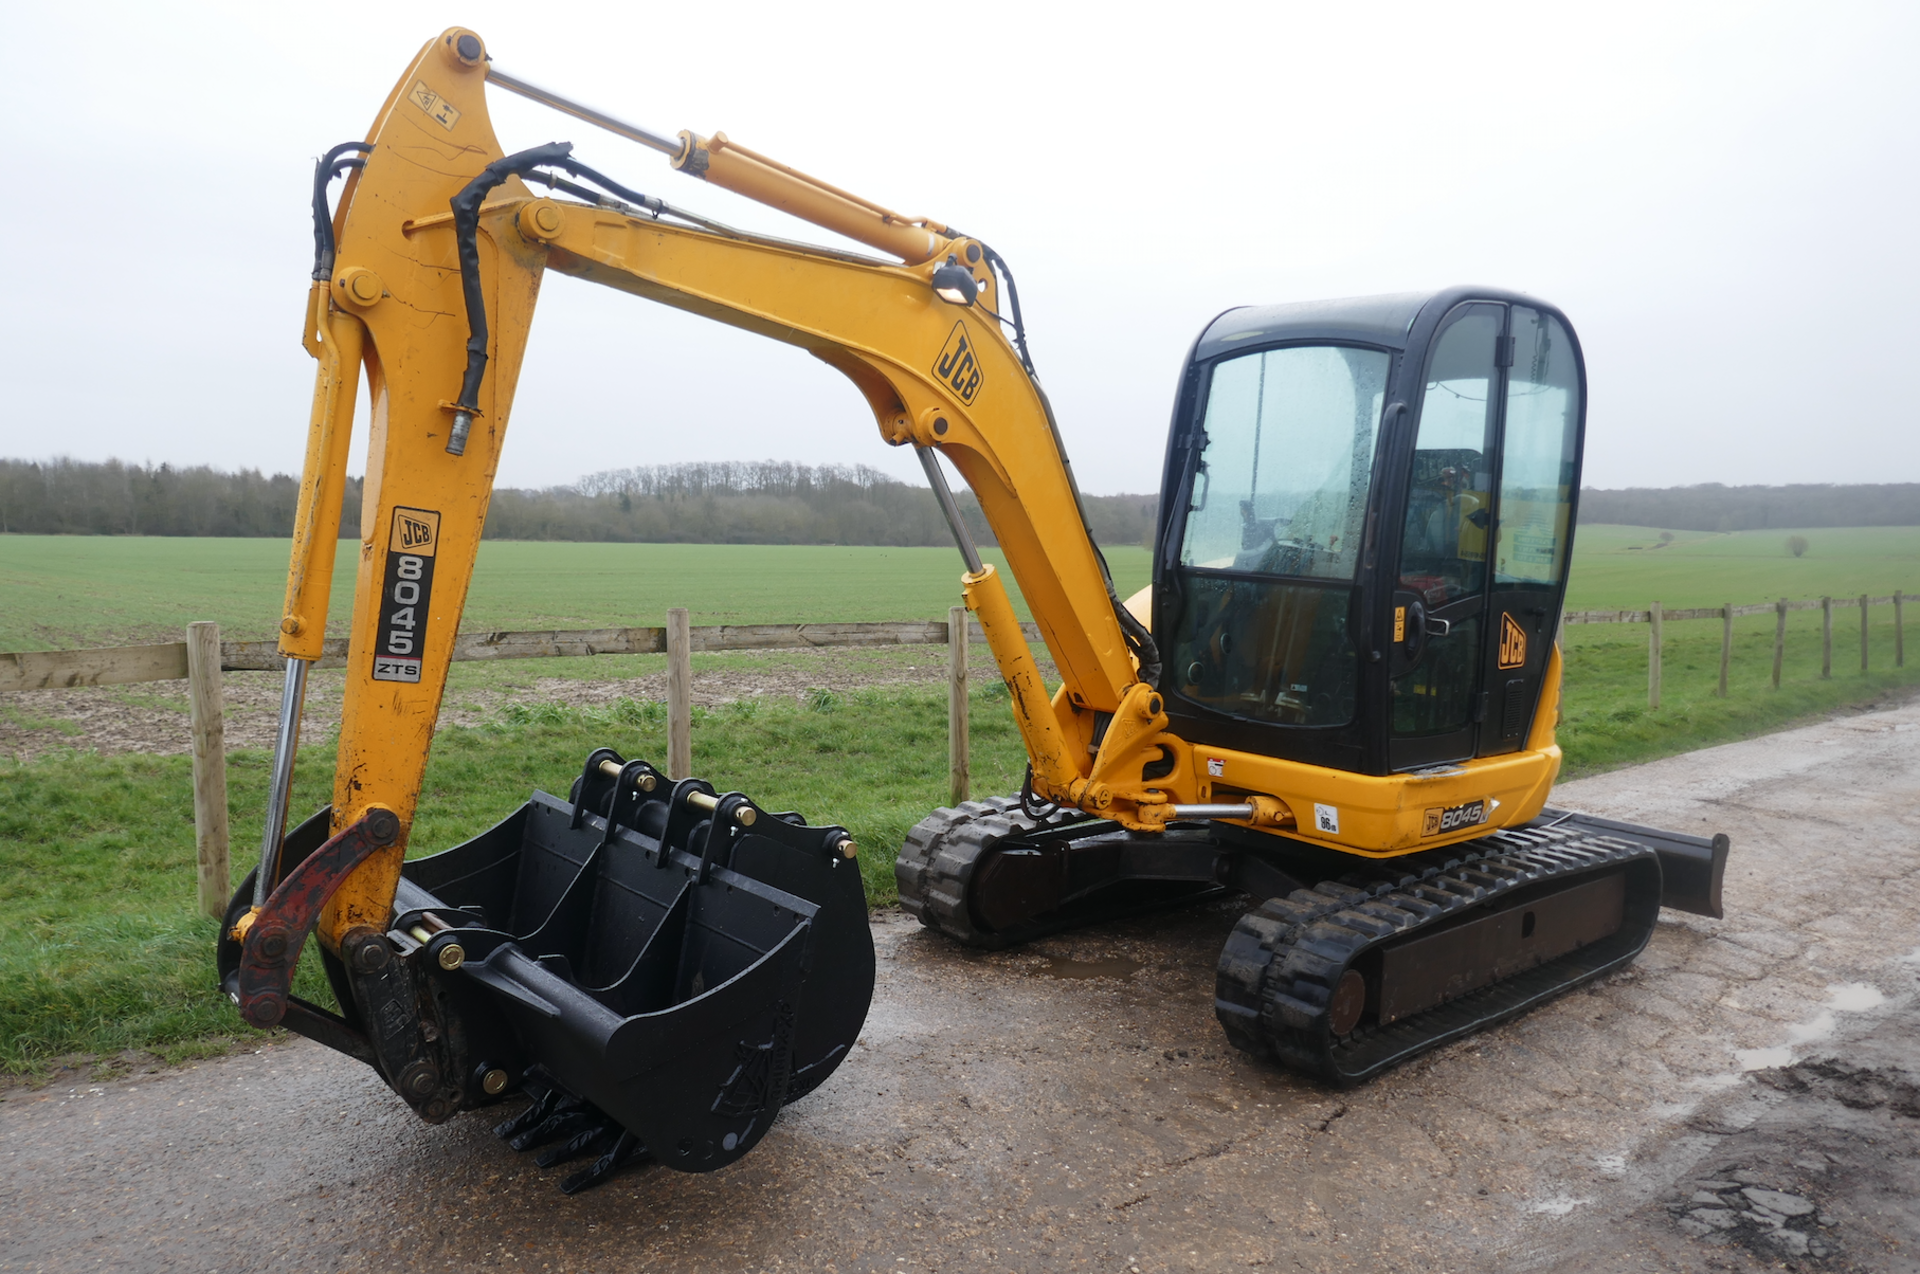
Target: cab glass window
{"x": 1538, "y": 454}
{"x": 1282, "y": 484}
{"x": 1273, "y": 536}
{"x": 1443, "y": 552}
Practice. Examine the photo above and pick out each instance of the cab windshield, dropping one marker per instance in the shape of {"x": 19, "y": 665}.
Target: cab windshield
{"x": 1273, "y": 533}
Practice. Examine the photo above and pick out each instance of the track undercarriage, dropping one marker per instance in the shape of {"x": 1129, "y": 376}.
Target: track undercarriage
{"x": 1346, "y": 966}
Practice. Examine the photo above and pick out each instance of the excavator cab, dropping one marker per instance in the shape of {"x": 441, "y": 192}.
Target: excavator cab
{"x": 1370, "y": 516}
{"x": 1367, "y": 522}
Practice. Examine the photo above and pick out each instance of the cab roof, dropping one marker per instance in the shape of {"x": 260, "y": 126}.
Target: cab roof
{"x": 1370, "y": 320}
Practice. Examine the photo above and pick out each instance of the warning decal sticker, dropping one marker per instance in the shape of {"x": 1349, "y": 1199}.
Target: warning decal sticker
{"x": 406, "y": 595}
{"x": 438, "y": 109}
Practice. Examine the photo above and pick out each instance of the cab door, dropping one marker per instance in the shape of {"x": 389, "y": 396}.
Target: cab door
{"x": 1439, "y": 616}
{"x": 1538, "y": 476}
{"x": 1486, "y": 533}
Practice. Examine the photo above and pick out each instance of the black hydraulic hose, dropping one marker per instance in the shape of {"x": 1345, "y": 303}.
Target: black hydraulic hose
{"x": 999, "y": 263}
{"x": 466, "y": 228}
{"x": 329, "y": 166}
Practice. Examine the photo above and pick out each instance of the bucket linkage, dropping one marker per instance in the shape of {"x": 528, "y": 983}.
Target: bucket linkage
{"x": 658, "y": 966}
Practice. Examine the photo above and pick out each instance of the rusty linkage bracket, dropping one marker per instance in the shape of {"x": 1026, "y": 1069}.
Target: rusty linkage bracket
{"x": 271, "y": 947}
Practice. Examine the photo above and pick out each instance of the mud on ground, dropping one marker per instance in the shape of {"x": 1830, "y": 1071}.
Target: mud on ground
{"x": 151, "y": 717}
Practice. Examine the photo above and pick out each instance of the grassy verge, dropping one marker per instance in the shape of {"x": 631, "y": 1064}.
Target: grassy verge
{"x": 101, "y": 949}
{"x": 1608, "y": 723}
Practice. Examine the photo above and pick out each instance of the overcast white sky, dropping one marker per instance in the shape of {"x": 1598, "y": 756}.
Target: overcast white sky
{"x": 1720, "y": 196}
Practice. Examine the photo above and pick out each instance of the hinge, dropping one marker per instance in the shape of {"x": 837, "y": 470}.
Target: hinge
{"x": 1503, "y": 351}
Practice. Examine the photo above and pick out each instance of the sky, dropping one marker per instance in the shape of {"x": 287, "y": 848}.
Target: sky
{"x": 1720, "y": 196}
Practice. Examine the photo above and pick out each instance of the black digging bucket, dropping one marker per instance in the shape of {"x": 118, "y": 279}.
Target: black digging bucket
{"x": 675, "y": 961}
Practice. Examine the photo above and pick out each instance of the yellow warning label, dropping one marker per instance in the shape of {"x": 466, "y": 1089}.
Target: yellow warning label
{"x": 1513, "y": 643}
{"x": 438, "y": 109}
{"x": 1399, "y": 624}
{"x": 415, "y": 531}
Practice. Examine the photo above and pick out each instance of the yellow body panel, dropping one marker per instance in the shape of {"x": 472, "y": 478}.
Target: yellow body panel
{"x": 934, "y": 375}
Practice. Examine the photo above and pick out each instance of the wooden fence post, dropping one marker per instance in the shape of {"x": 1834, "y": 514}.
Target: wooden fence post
{"x": 1899, "y": 638}
{"x": 1726, "y": 645}
{"x": 1653, "y": 660}
{"x": 1779, "y": 638}
{"x": 208, "y": 716}
{"x": 960, "y": 779}
{"x": 679, "y": 695}
{"x": 1863, "y": 634}
{"x": 1826, "y": 639}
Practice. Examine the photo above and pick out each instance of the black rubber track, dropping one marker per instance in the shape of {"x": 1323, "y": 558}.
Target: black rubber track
{"x": 1279, "y": 967}
{"x": 937, "y": 862}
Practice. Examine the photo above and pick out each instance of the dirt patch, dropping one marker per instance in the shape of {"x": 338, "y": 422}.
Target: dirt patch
{"x": 152, "y": 718}
{"x": 1826, "y": 1176}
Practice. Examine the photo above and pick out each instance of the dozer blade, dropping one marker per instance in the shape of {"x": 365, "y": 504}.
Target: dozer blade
{"x": 658, "y": 966}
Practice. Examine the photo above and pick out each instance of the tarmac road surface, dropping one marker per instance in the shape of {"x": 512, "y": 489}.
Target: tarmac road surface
{"x": 1073, "y": 1105}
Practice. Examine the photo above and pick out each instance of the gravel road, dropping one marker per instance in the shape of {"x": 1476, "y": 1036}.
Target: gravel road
{"x": 1073, "y": 1105}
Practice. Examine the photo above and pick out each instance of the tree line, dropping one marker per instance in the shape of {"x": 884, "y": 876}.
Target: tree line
{"x": 774, "y": 502}
{"x": 733, "y": 502}
{"x": 1713, "y": 507}
{"x": 76, "y": 497}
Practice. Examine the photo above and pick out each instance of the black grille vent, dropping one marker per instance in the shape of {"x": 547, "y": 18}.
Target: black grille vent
{"x": 1513, "y": 714}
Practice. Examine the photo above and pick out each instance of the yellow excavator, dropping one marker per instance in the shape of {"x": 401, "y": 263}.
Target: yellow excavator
{"x": 1338, "y": 696}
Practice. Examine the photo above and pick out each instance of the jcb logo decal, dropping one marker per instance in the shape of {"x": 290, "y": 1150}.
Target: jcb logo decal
{"x": 414, "y": 531}
{"x": 957, "y": 366}
{"x": 1513, "y": 643}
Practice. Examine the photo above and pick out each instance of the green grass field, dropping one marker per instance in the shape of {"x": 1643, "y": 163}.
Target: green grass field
{"x": 1625, "y": 567}
{"x": 65, "y": 592}
{"x": 100, "y": 947}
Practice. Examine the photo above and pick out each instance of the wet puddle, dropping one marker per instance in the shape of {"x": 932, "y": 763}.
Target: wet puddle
{"x": 1113, "y": 967}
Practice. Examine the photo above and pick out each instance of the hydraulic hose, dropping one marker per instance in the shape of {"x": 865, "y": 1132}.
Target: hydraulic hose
{"x": 329, "y": 166}
{"x": 466, "y": 230}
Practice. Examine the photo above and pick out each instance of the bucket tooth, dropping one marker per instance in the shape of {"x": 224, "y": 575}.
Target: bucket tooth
{"x": 594, "y": 1141}
{"x": 626, "y": 1149}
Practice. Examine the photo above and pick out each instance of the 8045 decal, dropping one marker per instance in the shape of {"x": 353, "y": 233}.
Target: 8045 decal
{"x": 406, "y": 595}
{"x": 1451, "y": 819}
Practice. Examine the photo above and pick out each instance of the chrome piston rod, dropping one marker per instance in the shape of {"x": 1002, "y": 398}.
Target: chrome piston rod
{"x": 944, "y": 494}
{"x": 669, "y": 146}
{"x": 293, "y": 697}
{"x": 1213, "y": 811}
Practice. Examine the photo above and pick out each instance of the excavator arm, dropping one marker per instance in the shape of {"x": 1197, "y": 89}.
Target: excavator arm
{"x": 430, "y": 280}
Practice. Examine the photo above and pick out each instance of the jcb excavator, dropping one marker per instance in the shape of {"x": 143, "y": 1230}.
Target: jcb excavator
{"x": 1338, "y": 696}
